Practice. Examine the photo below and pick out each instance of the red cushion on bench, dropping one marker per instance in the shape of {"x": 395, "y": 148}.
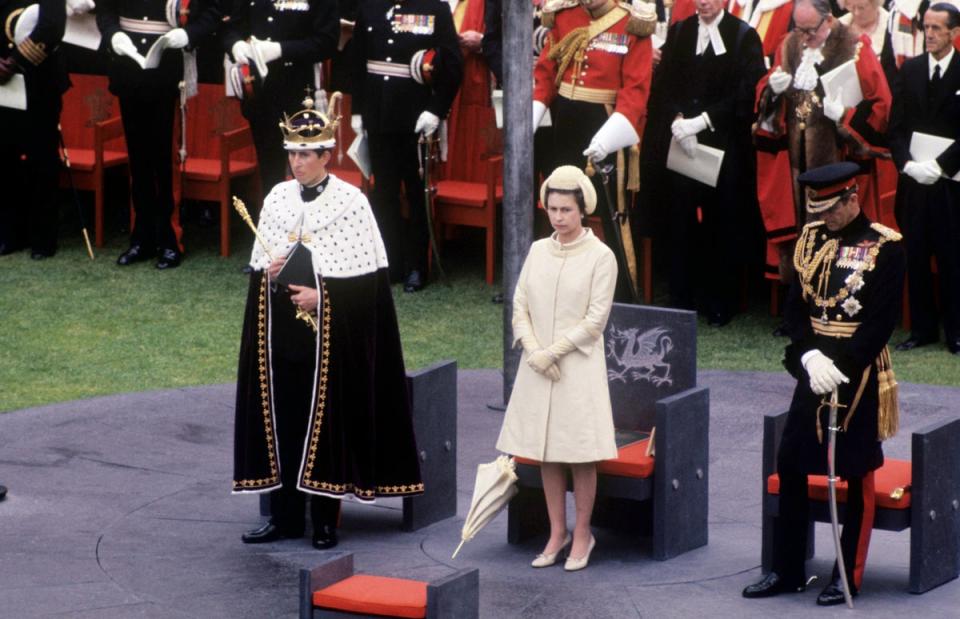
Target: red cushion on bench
{"x": 631, "y": 461}
{"x": 892, "y": 475}
{"x": 83, "y": 158}
{"x": 375, "y": 595}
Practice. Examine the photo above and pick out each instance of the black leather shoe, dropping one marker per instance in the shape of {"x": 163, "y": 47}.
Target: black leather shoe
{"x": 136, "y": 253}
{"x": 267, "y": 533}
{"x": 3, "y": 492}
{"x": 325, "y": 538}
{"x": 954, "y": 347}
{"x": 718, "y": 319}
{"x": 832, "y": 594}
{"x": 913, "y": 342}
{"x": 414, "y": 282}
{"x": 772, "y": 585}
{"x": 169, "y": 259}
{"x": 781, "y": 330}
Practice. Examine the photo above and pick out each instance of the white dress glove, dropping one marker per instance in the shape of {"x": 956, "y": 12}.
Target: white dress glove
{"x": 922, "y": 172}
{"x": 545, "y": 363}
{"x": 539, "y": 109}
{"x": 269, "y": 50}
{"x": 596, "y": 151}
{"x": 79, "y": 7}
{"x": 242, "y": 52}
{"x": 177, "y": 38}
{"x": 356, "y": 123}
{"x": 427, "y": 123}
{"x": 686, "y": 127}
{"x": 833, "y": 106}
{"x": 616, "y": 132}
{"x": 689, "y": 145}
{"x": 123, "y": 46}
{"x": 779, "y": 81}
{"x": 824, "y": 375}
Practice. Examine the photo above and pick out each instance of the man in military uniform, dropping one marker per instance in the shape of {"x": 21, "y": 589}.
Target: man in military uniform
{"x": 594, "y": 75}
{"x": 289, "y": 38}
{"x": 148, "y": 99}
{"x": 28, "y": 213}
{"x": 840, "y": 313}
{"x": 406, "y": 72}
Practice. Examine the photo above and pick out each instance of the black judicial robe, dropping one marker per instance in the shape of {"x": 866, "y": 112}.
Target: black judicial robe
{"x": 359, "y": 437}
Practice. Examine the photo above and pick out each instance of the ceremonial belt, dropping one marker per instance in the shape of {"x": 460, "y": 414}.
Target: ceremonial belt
{"x": 605, "y": 96}
{"x": 834, "y": 328}
{"x": 144, "y": 26}
{"x": 393, "y": 69}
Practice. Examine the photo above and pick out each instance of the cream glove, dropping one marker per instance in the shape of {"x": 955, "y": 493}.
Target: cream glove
{"x": 824, "y": 375}
{"x": 269, "y": 50}
{"x": 427, "y": 123}
{"x": 242, "y": 52}
{"x": 123, "y": 46}
{"x": 779, "y": 81}
{"x": 561, "y": 347}
{"x": 686, "y": 127}
{"x": 356, "y": 123}
{"x": 616, "y": 133}
{"x": 920, "y": 172}
{"x": 689, "y": 145}
{"x": 539, "y": 109}
{"x": 79, "y": 7}
{"x": 177, "y": 38}
{"x": 833, "y": 106}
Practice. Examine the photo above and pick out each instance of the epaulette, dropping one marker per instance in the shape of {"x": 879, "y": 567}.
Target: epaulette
{"x": 813, "y": 224}
{"x": 548, "y": 14}
{"x": 888, "y": 233}
{"x": 643, "y": 17}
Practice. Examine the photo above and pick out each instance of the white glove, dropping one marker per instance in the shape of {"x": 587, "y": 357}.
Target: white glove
{"x": 79, "y": 7}
{"x": 921, "y": 172}
{"x": 269, "y": 50}
{"x": 356, "y": 123}
{"x": 616, "y": 133}
{"x": 177, "y": 38}
{"x": 779, "y": 81}
{"x": 540, "y": 361}
{"x": 427, "y": 123}
{"x": 689, "y": 145}
{"x": 686, "y": 127}
{"x": 933, "y": 169}
{"x": 123, "y": 46}
{"x": 824, "y": 375}
{"x": 833, "y": 106}
{"x": 539, "y": 109}
{"x": 242, "y": 52}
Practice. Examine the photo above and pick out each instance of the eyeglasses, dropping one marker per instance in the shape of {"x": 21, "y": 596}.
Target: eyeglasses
{"x": 812, "y": 31}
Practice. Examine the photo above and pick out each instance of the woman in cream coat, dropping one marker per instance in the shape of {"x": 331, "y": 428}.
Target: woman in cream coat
{"x": 559, "y": 412}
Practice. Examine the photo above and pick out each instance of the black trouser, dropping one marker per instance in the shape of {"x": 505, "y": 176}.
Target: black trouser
{"x": 931, "y": 227}
{"x": 394, "y": 159}
{"x": 29, "y": 159}
{"x": 148, "y": 127}
{"x": 292, "y": 390}
{"x": 790, "y": 529}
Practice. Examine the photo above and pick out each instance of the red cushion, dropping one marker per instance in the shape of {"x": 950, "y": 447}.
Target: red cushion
{"x": 375, "y": 595}
{"x": 209, "y": 169}
{"x": 462, "y": 192}
{"x": 892, "y": 475}
{"x": 631, "y": 461}
{"x": 82, "y": 158}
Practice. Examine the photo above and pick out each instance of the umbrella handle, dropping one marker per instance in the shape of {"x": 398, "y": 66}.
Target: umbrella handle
{"x": 459, "y": 546}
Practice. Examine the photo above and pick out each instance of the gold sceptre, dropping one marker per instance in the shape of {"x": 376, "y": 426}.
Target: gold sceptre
{"x": 245, "y": 216}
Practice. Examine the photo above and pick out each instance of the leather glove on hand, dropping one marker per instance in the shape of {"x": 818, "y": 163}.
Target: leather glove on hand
{"x": 539, "y": 109}
{"x": 177, "y": 38}
{"x": 79, "y": 7}
{"x": 779, "y": 81}
{"x": 242, "y": 52}
{"x": 356, "y": 123}
{"x": 123, "y": 46}
{"x": 427, "y": 123}
{"x": 833, "y": 107}
{"x": 824, "y": 375}
{"x": 687, "y": 127}
{"x": 921, "y": 172}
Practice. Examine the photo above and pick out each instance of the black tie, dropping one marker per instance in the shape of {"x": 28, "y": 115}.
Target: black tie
{"x": 309, "y": 194}
{"x": 933, "y": 90}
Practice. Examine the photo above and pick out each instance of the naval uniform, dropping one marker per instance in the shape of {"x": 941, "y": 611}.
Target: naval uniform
{"x": 849, "y": 318}
{"x": 32, "y": 201}
{"x": 148, "y": 100}
{"x": 307, "y": 31}
{"x": 386, "y": 36}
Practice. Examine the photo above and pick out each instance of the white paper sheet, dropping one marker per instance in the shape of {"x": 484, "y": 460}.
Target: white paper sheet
{"x": 13, "y": 94}
{"x": 704, "y": 166}
{"x": 496, "y": 99}
{"x": 924, "y": 147}
{"x": 82, "y": 31}
{"x": 843, "y": 79}
{"x": 359, "y": 151}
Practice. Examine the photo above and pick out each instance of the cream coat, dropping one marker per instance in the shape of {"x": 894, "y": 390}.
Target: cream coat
{"x": 563, "y": 291}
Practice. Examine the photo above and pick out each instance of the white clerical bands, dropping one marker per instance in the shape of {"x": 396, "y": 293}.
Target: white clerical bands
{"x": 144, "y": 26}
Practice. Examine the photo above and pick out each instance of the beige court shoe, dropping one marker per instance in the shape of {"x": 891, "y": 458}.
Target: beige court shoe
{"x": 572, "y": 565}
{"x": 546, "y": 560}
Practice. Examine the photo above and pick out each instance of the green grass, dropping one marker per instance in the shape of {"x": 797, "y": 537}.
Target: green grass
{"x": 71, "y": 328}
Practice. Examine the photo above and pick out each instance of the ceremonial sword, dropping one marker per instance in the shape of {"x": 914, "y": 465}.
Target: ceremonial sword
{"x": 425, "y": 152}
{"x": 832, "y": 429}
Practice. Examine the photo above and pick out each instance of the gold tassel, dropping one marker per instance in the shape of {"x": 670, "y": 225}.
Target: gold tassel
{"x": 569, "y": 48}
{"x": 888, "y": 414}
{"x": 633, "y": 169}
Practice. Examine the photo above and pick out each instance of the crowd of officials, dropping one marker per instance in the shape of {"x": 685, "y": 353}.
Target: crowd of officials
{"x": 623, "y": 89}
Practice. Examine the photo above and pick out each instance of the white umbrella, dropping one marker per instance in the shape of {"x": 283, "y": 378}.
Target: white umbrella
{"x": 494, "y": 487}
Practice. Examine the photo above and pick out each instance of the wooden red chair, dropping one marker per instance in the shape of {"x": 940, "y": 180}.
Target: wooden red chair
{"x": 93, "y": 140}
{"x": 219, "y": 152}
